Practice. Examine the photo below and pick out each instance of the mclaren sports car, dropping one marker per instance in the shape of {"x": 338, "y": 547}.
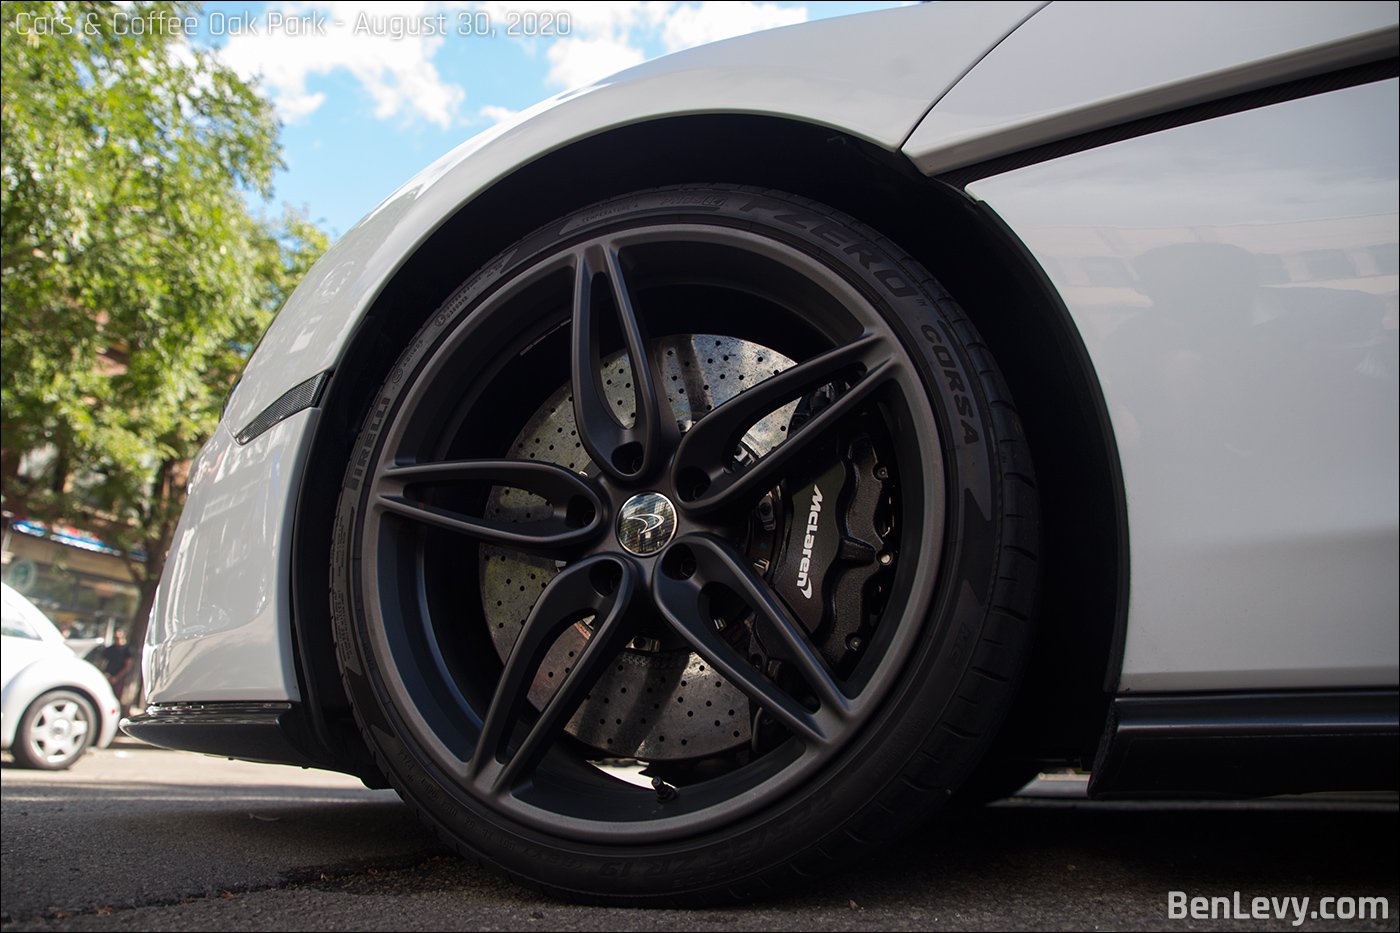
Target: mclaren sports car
{"x": 688, "y": 485}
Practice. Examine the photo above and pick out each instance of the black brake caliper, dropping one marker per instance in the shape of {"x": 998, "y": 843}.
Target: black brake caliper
{"x": 831, "y": 546}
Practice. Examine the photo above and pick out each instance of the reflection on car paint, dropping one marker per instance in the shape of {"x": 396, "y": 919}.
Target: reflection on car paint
{"x": 1249, "y": 363}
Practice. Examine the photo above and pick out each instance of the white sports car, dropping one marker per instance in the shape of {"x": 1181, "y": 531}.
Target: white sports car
{"x": 686, "y": 486}
{"x": 54, "y": 705}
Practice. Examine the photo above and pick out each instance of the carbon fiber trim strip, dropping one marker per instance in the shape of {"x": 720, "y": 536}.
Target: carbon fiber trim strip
{"x": 306, "y": 395}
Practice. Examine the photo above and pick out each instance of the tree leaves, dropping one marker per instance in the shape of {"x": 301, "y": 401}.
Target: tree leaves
{"x": 135, "y": 281}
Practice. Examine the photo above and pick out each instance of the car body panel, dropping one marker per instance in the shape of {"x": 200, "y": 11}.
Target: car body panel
{"x": 34, "y": 666}
{"x": 1221, "y": 597}
{"x": 220, "y": 627}
{"x": 1234, "y": 281}
{"x": 860, "y": 74}
{"x": 1078, "y": 66}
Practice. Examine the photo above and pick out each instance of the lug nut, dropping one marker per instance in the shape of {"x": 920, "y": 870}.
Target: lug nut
{"x": 765, "y": 513}
{"x": 886, "y": 558}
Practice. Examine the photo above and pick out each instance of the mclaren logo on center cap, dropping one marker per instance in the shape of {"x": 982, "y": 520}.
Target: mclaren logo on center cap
{"x": 646, "y": 523}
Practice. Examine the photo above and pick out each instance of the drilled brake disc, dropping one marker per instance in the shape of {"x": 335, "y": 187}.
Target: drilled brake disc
{"x": 653, "y": 704}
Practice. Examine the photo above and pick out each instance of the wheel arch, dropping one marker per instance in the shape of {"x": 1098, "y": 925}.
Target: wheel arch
{"x": 981, "y": 262}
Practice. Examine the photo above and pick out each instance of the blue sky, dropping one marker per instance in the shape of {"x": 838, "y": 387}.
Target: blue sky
{"x": 365, "y": 103}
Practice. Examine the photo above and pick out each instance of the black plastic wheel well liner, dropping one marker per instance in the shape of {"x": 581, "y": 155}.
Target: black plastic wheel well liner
{"x": 1063, "y": 706}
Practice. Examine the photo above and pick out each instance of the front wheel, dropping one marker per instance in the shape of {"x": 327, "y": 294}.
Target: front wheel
{"x": 688, "y": 550}
{"x": 56, "y": 730}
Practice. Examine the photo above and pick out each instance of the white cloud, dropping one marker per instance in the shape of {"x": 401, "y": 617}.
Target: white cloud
{"x": 586, "y": 18}
{"x": 575, "y": 62}
{"x": 688, "y": 26}
{"x": 496, "y": 114}
{"x": 597, "y": 40}
{"x": 604, "y": 38}
{"x": 395, "y": 68}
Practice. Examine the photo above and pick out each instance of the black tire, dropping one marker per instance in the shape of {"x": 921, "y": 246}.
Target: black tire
{"x": 56, "y": 731}
{"x": 854, "y": 718}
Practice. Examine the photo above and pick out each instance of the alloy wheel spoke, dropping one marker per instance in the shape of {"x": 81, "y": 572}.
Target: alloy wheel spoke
{"x": 609, "y": 637}
{"x": 624, "y": 453}
{"x": 718, "y": 434}
{"x": 574, "y": 513}
{"x": 601, "y": 586}
{"x": 721, "y": 563}
{"x": 682, "y": 604}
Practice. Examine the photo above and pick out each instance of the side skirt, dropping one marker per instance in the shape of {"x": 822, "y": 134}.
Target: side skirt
{"x": 1249, "y": 744}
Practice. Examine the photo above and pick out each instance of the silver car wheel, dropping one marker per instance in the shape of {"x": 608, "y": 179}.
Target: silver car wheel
{"x": 56, "y": 730}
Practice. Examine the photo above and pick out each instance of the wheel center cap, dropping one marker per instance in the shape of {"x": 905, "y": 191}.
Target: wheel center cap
{"x": 646, "y": 523}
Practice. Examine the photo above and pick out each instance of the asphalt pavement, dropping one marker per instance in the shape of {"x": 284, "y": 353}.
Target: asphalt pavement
{"x": 134, "y": 838}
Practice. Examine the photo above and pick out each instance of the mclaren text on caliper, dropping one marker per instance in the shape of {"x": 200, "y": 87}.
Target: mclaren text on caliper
{"x": 804, "y": 583}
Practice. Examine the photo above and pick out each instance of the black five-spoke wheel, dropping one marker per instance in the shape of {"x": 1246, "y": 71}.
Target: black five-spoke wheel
{"x": 688, "y": 550}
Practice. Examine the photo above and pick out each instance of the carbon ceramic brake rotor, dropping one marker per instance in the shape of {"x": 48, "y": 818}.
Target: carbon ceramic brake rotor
{"x": 653, "y": 704}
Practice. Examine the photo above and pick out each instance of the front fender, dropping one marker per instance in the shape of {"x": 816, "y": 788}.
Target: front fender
{"x": 845, "y": 73}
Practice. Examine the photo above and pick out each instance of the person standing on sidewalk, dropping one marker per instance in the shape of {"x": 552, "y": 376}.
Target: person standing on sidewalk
{"x": 117, "y": 662}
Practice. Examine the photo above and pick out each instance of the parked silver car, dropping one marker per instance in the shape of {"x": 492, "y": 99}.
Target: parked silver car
{"x": 55, "y": 706}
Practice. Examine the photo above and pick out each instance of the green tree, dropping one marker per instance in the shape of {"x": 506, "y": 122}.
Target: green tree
{"x": 135, "y": 281}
